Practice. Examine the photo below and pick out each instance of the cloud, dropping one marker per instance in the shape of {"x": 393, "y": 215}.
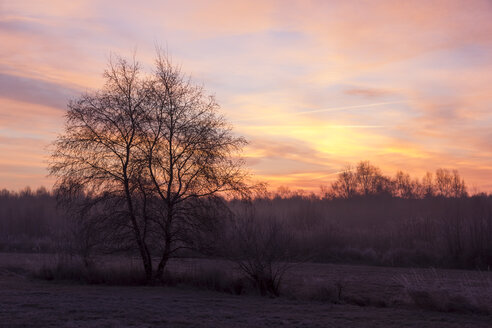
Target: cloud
{"x": 35, "y": 91}
{"x": 368, "y": 92}
{"x": 23, "y": 162}
{"x": 314, "y": 84}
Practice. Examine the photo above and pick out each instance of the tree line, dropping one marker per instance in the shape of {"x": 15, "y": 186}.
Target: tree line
{"x": 437, "y": 229}
{"x": 365, "y": 179}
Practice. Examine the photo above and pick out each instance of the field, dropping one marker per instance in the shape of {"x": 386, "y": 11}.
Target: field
{"x": 372, "y": 297}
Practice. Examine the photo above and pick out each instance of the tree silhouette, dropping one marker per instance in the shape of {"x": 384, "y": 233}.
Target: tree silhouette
{"x": 150, "y": 154}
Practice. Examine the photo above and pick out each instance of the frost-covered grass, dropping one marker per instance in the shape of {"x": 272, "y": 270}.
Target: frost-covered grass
{"x": 25, "y": 303}
{"x": 314, "y": 295}
{"x": 434, "y": 290}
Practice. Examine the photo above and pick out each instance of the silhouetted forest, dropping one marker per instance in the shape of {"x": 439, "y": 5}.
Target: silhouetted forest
{"x": 29, "y": 220}
{"x": 362, "y": 217}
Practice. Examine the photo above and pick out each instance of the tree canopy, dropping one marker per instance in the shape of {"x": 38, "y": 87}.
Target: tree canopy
{"x": 150, "y": 153}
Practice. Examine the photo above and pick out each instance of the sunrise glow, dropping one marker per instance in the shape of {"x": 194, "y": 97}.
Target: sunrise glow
{"x": 313, "y": 85}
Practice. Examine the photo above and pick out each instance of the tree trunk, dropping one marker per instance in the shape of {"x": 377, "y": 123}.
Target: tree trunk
{"x": 142, "y": 247}
{"x": 159, "y": 274}
{"x": 164, "y": 258}
{"x": 147, "y": 263}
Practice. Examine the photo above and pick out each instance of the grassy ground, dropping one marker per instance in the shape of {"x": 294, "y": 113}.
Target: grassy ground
{"x": 25, "y": 302}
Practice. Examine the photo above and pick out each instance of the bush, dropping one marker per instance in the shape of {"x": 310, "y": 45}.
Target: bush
{"x": 261, "y": 249}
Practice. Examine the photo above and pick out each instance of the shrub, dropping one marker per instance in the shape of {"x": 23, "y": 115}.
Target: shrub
{"x": 261, "y": 249}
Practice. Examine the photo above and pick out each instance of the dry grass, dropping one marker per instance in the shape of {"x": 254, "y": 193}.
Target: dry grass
{"x": 65, "y": 269}
{"x": 433, "y": 291}
{"x": 443, "y": 291}
{"x": 24, "y": 303}
{"x": 215, "y": 279}
{"x": 128, "y": 273}
{"x": 428, "y": 289}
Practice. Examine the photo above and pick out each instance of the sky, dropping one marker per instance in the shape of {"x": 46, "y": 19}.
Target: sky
{"x": 313, "y": 85}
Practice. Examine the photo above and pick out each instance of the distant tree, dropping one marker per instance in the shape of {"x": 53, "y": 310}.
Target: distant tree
{"x": 370, "y": 180}
{"x": 427, "y": 187}
{"x": 346, "y": 184}
{"x": 284, "y": 192}
{"x": 404, "y": 187}
{"x": 449, "y": 183}
{"x": 366, "y": 179}
{"x": 363, "y": 180}
{"x": 149, "y": 153}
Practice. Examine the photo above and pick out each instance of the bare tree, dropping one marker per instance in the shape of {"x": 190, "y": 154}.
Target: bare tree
{"x": 261, "y": 247}
{"x": 363, "y": 180}
{"x": 370, "y": 180}
{"x": 189, "y": 153}
{"x": 427, "y": 187}
{"x": 97, "y": 153}
{"x": 345, "y": 186}
{"x": 449, "y": 183}
{"x": 404, "y": 187}
{"x": 150, "y": 153}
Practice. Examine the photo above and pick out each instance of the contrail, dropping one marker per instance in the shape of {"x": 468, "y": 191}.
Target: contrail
{"x": 341, "y": 126}
{"x": 323, "y": 110}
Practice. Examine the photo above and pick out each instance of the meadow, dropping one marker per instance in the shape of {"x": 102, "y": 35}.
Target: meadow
{"x": 314, "y": 295}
